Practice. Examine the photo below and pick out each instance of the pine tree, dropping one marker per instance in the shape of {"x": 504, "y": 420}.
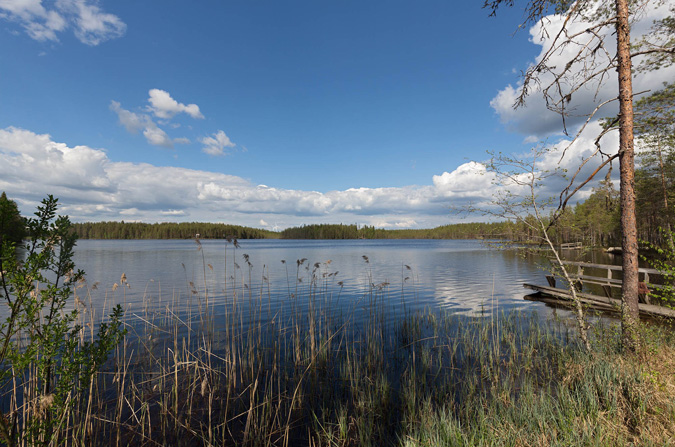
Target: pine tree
{"x": 592, "y": 59}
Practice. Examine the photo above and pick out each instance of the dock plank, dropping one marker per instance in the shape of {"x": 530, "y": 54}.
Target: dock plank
{"x": 597, "y": 300}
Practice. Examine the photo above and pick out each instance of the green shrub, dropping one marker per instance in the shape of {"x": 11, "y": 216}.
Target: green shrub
{"x": 665, "y": 263}
{"x": 45, "y": 360}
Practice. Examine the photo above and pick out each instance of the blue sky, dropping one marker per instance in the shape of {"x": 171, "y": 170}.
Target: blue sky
{"x": 344, "y": 111}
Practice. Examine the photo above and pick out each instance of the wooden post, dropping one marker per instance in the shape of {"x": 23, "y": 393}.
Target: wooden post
{"x": 608, "y": 290}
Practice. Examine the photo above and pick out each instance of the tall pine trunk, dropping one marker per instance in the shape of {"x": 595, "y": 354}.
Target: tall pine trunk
{"x": 629, "y": 289}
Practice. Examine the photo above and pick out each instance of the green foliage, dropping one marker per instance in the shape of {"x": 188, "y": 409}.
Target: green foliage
{"x": 655, "y": 114}
{"x": 664, "y": 261}
{"x": 654, "y": 180}
{"x": 44, "y": 356}
{"x": 655, "y": 188}
{"x": 12, "y": 225}
{"x": 597, "y": 219}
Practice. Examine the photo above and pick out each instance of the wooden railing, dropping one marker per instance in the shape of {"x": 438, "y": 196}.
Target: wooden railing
{"x": 608, "y": 281}
{"x": 557, "y": 295}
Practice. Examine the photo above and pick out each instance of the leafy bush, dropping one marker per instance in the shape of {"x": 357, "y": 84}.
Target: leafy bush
{"x": 46, "y": 364}
{"x": 665, "y": 263}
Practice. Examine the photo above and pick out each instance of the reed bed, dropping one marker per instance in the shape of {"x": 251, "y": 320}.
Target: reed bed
{"x": 237, "y": 370}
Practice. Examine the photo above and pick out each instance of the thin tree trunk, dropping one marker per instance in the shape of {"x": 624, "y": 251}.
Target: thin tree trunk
{"x": 629, "y": 289}
{"x": 664, "y": 190}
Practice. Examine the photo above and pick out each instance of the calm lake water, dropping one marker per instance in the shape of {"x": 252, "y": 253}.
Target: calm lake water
{"x": 463, "y": 276}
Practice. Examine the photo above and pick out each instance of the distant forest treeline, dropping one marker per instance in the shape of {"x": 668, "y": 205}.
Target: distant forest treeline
{"x": 135, "y": 230}
{"x": 185, "y": 230}
{"x": 454, "y": 231}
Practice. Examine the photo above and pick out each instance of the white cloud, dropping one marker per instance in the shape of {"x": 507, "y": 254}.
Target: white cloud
{"x": 217, "y": 144}
{"x": 131, "y": 121}
{"x": 469, "y": 181}
{"x": 404, "y": 223}
{"x": 534, "y": 119}
{"x": 135, "y": 122}
{"x": 157, "y": 136}
{"x": 162, "y": 105}
{"x": 173, "y": 213}
{"x": 39, "y": 23}
{"x": 92, "y": 187}
{"x": 129, "y": 212}
{"x": 29, "y": 159}
{"x": 90, "y": 24}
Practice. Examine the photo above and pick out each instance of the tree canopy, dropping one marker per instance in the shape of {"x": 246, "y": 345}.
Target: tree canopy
{"x": 12, "y": 225}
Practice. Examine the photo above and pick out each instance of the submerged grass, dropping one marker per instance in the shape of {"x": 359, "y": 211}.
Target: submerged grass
{"x": 240, "y": 372}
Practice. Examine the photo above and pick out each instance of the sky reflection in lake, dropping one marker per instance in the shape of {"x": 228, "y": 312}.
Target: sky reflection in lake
{"x": 463, "y": 276}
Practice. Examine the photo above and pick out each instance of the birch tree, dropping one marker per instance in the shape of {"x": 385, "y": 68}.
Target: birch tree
{"x": 519, "y": 182}
{"x": 595, "y": 36}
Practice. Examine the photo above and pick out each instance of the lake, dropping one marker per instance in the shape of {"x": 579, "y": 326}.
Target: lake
{"x": 462, "y": 276}
{"x": 282, "y": 335}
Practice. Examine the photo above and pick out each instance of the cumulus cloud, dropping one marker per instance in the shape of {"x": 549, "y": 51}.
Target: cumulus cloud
{"x": 217, "y": 144}
{"x": 162, "y": 105}
{"x": 173, "y": 213}
{"x": 136, "y": 122}
{"x": 535, "y": 120}
{"x": 408, "y": 222}
{"x": 469, "y": 180}
{"x": 93, "y": 187}
{"x": 157, "y": 136}
{"x": 89, "y": 23}
{"x": 29, "y": 159}
{"x": 92, "y": 25}
{"x": 133, "y": 122}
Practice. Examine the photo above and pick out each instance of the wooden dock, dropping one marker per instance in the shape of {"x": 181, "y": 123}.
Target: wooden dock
{"x": 553, "y": 295}
{"x": 562, "y": 296}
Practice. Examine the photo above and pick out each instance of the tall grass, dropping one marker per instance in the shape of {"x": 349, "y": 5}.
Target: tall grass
{"x": 236, "y": 370}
